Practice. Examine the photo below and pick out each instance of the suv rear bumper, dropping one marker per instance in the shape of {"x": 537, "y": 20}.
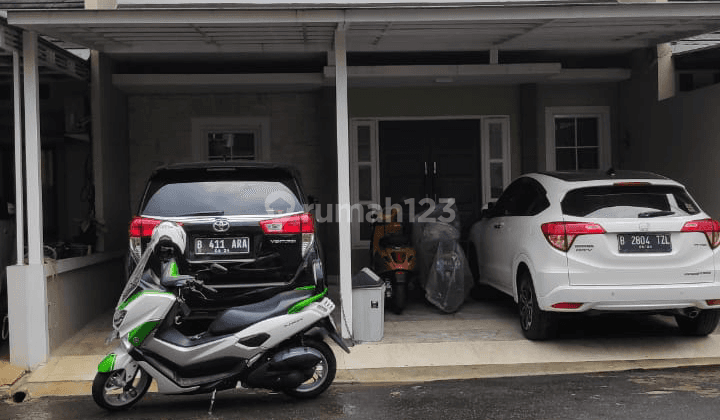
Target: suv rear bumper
{"x": 632, "y": 298}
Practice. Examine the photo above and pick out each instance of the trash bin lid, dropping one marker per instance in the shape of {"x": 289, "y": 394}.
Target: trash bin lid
{"x": 366, "y": 278}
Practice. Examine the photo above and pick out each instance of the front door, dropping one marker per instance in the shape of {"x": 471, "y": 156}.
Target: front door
{"x": 435, "y": 160}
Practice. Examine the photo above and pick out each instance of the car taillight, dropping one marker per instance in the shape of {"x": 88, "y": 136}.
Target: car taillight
{"x": 399, "y": 257}
{"x": 562, "y": 234}
{"x": 142, "y": 227}
{"x": 299, "y": 223}
{"x": 710, "y": 227}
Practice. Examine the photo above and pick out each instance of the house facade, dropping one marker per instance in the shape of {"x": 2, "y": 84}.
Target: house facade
{"x": 383, "y": 102}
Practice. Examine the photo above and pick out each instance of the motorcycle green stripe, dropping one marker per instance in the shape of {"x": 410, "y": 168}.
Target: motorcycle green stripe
{"x": 139, "y": 334}
{"x": 107, "y": 363}
{"x": 302, "y": 304}
{"x": 305, "y": 288}
{"x": 174, "y": 271}
{"x": 137, "y": 295}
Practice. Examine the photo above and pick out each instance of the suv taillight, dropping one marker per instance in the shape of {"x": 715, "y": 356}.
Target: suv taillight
{"x": 710, "y": 227}
{"x": 299, "y": 223}
{"x": 562, "y": 234}
{"x": 142, "y": 227}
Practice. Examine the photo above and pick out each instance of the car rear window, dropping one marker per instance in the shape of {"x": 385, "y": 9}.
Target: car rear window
{"x": 217, "y": 198}
{"x": 624, "y": 201}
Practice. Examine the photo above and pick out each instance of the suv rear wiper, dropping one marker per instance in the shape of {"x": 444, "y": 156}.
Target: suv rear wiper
{"x": 656, "y": 213}
{"x": 206, "y": 213}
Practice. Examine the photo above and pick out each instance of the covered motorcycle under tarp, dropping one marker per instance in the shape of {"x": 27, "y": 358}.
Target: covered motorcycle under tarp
{"x": 444, "y": 272}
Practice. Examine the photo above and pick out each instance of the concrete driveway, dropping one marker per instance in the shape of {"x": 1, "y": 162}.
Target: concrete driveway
{"x": 482, "y": 339}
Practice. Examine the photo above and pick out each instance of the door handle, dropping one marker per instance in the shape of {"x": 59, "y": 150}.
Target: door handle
{"x": 434, "y": 168}
{"x": 499, "y": 225}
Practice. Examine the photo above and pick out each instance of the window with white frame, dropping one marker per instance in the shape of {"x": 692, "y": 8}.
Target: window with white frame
{"x": 577, "y": 138}
{"x": 364, "y": 180}
{"x": 231, "y": 138}
{"x": 495, "y": 153}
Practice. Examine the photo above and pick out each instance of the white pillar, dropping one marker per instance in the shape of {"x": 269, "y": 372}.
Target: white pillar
{"x": 19, "y": 195}
{"x": 343, "y": 159}
{"x": 33, "y": 149}
{"x": 27, "y": 287}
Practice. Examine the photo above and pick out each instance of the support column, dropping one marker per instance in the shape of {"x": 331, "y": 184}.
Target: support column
{"x": 27, "y": 287}
{"x": 19, "y": 193}
{"x": 343, "y": 159}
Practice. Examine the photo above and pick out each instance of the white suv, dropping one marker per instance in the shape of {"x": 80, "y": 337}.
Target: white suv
{"x": 615, "y": 241}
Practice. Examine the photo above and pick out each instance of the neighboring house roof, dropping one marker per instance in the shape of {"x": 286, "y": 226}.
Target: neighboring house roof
{"x": 42, "y": 4}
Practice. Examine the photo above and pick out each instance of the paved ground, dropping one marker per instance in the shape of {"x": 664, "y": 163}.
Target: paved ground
{"x": 637, "y": 395}
{"x": 481, "y": 340}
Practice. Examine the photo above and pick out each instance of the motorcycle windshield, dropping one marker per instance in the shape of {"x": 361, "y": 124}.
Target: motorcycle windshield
{"x": 136, "y": 276}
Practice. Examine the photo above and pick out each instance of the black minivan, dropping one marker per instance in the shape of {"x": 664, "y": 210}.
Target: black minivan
{"x": 251, "y": 218}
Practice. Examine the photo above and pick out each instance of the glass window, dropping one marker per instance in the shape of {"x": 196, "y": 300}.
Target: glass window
{"x": 524, "y": 197}
{"x": 363, "y": 143}
{"x": 629, "y": 202}
{"x": 216, "y": 198}
{"x": 231, "y": 146}
{"x": 365, "y": 183}
{"x": 577, "y": 143}
{"x": 496, "y": 179}
{"x": 495, "y": 132}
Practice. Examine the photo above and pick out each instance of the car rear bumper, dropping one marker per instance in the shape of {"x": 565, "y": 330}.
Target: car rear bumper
{"x": 632, "y": 298}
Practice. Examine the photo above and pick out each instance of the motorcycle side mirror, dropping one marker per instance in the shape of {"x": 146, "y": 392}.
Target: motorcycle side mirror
{"x": 216, "y": 268}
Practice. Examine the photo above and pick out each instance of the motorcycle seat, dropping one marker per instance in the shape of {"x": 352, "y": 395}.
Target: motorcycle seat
{"x": 392, "y": 241}
{"x": 240, "y": 317}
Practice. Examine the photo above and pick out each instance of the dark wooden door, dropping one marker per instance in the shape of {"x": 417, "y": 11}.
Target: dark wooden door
{"x": 435, "y": 159}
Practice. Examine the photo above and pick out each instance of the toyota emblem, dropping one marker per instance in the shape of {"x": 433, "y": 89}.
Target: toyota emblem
{"x": 221, "y": 225}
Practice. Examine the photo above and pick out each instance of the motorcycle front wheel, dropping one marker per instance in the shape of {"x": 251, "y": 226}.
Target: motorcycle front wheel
{"x": 109, "y": 393}
{"x": 322, "y": 377}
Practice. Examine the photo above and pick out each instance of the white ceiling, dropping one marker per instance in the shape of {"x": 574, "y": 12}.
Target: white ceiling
{"x": 603, "y": 27}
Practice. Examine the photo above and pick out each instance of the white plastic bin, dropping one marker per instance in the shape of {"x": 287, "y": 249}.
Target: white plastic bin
{"x": 368, "y": 303}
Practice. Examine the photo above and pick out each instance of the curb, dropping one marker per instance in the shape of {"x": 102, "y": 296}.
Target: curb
{"x": 8, "y": 391}
{"x": 33, "y": 390}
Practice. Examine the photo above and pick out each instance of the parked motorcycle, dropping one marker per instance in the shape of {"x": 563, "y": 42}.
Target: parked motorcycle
{"x": 393, "y": 258}
{"x": 275, "y": 344}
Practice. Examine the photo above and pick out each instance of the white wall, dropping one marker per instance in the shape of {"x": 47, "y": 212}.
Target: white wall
{"x": 78, "y": 296}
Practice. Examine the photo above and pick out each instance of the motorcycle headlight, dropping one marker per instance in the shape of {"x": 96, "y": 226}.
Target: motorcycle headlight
{"x": 118, "y": 318}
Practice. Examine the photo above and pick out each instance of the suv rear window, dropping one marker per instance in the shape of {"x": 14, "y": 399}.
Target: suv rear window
{"x": 216, "y": 198}
{"x": 628, "y": 201}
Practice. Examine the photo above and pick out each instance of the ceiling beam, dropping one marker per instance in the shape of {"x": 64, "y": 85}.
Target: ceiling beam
{"x": 487, "y": 13}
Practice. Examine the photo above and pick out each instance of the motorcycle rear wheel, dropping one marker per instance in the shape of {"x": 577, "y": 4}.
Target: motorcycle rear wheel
{"x": 399, "y": 296}
{"x": 109, "y": 395}
{"x": 323, "y": 376}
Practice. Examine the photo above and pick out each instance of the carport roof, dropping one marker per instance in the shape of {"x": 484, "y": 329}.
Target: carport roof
{"x": 614, "y": 27}
{"x": 53, "y": 60}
